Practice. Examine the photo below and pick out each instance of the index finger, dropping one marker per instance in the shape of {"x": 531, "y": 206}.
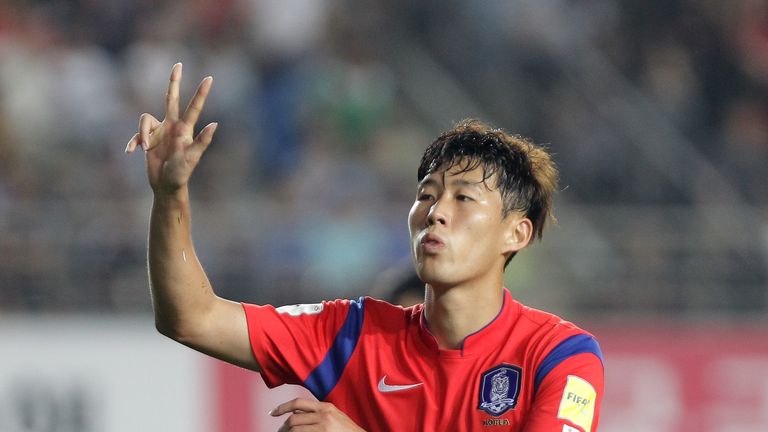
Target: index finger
{"x": 298, "y": 404}
{"x": 172, "y": 97}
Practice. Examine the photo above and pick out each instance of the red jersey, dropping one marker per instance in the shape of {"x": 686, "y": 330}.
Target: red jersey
{"x": 527, "y": 370}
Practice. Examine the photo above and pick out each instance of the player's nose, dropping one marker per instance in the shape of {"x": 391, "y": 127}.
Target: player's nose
{"x": 437, "y": 214}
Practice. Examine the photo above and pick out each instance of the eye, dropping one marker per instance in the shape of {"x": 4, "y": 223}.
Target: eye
{"x": 464, "y": 198}
{"x": 424, "y": 197}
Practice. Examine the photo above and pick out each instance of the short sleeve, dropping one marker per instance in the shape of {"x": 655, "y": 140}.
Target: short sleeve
{"x": 568, "y": 388}
{"x": 306, "y": 344}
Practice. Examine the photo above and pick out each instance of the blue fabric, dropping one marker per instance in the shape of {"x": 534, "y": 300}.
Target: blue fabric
{"x": 578, "y": 344}
{"x": 326, "y": 375}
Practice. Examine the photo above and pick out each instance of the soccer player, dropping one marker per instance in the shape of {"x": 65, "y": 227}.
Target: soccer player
{"x": 469, "y": 358}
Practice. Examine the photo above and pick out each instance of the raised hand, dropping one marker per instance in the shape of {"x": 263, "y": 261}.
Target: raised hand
{"x": 309, "y": 415}
{"x": 171, "y": 149}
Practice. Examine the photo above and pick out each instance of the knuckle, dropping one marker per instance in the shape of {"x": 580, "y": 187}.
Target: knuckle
{"x": 181, "y": 128}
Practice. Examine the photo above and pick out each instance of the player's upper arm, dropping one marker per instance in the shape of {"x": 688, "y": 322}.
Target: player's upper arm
{"x": 568, "y": 388}
{"x": 223, "y": 333}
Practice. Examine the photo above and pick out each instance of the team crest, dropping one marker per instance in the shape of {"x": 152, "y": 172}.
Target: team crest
{"x": 499, "y": 389}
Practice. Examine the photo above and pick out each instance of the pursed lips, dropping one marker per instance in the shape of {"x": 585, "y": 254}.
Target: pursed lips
{"x": 431, "y": 243}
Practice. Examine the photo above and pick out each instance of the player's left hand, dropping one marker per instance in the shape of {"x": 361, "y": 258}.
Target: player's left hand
{"x": 310, "y": 416}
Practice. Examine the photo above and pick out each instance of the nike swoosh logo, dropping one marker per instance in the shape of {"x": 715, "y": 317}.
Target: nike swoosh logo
{"x": 386, "y": 388}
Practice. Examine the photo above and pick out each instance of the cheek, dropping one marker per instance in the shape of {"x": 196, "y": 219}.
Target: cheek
{"x": 482, "y": 234}
{"x": 414, "y": 217}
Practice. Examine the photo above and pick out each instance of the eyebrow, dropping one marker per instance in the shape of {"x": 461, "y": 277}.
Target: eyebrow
{"x": 462, "y": 182}
{"x": 455, "y": 182}
{"x": 428, "y": 182}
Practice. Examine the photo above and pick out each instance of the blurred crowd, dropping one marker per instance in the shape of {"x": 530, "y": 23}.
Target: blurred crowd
{"x": 324, "y": 107}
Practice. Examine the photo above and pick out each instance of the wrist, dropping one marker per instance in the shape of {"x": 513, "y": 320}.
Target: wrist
{"x": 175, "y": 197}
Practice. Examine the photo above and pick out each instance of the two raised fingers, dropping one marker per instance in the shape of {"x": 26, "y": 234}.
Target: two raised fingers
{"x": 196, "y": 104}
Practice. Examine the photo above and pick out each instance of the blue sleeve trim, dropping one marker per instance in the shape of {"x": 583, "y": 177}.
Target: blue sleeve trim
{"x": 578, "y": 344}
{"x": 325, "y": 376}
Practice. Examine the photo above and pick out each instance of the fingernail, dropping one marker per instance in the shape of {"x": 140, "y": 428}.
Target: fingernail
{"x": 271, "y": 412}
{"x": 127, "y": 147}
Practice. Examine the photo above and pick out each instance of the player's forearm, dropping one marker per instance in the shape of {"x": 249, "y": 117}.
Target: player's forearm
{"x": 181, "y": 292}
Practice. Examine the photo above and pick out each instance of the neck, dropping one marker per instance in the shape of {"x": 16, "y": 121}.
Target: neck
{"x": 454, "y": 313}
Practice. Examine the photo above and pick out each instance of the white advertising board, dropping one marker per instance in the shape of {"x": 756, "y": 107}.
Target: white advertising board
{"x": 97, "y": 374}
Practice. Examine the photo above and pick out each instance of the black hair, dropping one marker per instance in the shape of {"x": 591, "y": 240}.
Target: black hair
{"x": 525, "y": 174}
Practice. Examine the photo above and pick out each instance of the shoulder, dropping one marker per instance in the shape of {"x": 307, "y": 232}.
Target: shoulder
{"x": 560, "y": 343}
{"x": 390, "y": 315}
{"x": 368, "y": 308}
{"x": 383, "y": 306}
{"x": 553, "y": 339}
{"x": 548, "y": 327}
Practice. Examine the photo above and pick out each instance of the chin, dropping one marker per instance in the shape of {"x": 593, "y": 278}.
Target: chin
{"x": 432, "y": 276}
{"x": 425, "y": 274}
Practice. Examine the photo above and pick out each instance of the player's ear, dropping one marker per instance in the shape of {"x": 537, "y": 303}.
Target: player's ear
{"x": 517, "y": 234}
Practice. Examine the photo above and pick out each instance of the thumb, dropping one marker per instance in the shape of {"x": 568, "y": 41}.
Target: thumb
{"x": 202, "y": 141}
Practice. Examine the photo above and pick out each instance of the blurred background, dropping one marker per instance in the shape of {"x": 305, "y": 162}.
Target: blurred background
{"x": 656, "y": 111}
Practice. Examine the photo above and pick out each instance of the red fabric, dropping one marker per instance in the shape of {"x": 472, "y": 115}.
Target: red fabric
{"x": 289, "y": 347}
{"x": 395, "y": 343}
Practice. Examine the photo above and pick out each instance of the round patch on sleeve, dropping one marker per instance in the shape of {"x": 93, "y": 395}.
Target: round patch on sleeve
{"x": 578, "y": 402}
